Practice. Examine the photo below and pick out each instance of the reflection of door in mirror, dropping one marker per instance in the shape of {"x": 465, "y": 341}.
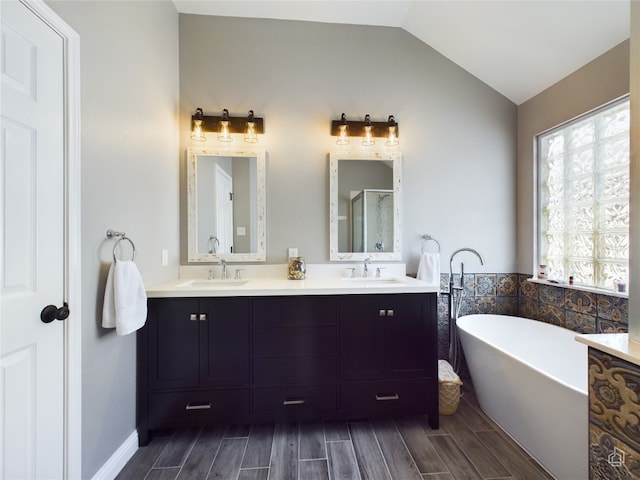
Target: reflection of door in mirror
{"x": 365, "y": 226}
{"x": 224, "y": 211}
{"x": 372, "y": 221}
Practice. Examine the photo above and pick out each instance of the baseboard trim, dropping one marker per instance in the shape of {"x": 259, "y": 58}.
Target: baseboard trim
{"x": 119, "y": 459}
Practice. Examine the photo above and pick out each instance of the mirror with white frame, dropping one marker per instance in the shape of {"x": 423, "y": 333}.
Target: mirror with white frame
{"x": 226, "y": 205}
{"x": 365, "y": 205}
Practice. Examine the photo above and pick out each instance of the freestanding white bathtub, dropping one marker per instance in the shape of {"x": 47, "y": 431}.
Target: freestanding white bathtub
{"x": 531, "y": 378}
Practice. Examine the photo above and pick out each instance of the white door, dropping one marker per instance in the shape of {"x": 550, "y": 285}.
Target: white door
{"x": 32, "y": 263}
{"x": 224, "y": 210}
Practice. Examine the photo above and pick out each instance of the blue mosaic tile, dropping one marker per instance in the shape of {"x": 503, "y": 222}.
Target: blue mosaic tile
{"x": 580, "y": 322}
{"x": 528, "y": 289}
{"x": 507, "y": 285}
{"x": 550, "y": 295}
{"x": 528, "y": 308}
{"x": 485, "y": 304}
{"x": 613, "y": 308}
{"x": 507, "y": 305}
{"x": 552, "y": 314}
{"x": 485, "y": 285}
{"x": 581, "y": 302}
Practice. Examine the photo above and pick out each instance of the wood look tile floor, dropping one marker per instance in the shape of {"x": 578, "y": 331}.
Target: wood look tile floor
{"x": 468, "y": 445}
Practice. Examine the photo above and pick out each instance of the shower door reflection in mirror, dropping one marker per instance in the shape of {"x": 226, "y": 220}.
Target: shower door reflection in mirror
{"x": 365, "y": 205}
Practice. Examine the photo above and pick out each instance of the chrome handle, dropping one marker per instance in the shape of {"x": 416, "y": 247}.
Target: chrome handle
{"x": 382, "y": 398}
{"x": 389, "y": 313}
{"x": 198, "y": 406}
{"x": 293, "y": 402}
{"x": 382, "y": 313}
{"x": 193, "y": 317}
{"x": 203, "y": 317}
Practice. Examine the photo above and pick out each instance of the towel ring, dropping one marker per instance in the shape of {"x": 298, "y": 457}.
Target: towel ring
{"x": 429, "y": 238}
{"x": 115, "y": 248}
{"x": 121, "y": 236}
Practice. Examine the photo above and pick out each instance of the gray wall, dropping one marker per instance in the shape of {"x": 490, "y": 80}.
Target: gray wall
{"x": 457, "y": 135}
{"x": 129, "y": 75}
{"x": 602, "y": 80}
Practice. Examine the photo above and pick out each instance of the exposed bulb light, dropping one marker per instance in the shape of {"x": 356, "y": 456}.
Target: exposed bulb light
{"x": 392, "y": 139}
{"x": 368, "y": 140}
{"x": 223, "y": 134}
{"x": 250, "y": 135}
{"x": 343, "y": 131}
{"x": 196, "y": 131}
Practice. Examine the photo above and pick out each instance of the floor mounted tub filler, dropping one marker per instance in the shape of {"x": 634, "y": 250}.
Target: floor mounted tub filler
{"x": 531, "y": 379}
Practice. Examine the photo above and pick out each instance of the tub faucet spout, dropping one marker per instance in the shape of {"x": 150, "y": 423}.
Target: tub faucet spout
{"x": 461, "y": 286}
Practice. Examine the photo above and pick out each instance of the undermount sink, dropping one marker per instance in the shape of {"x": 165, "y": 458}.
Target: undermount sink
{"x": 373, "y": 281}
{"x": 217, "y": 283}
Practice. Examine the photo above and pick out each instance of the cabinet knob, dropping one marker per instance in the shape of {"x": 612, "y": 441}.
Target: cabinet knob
{"x": 193, "y": 317}
{"x": 203, "y": 317}
{"x": 389, "y": 313}
{"x": 382, "y": 313}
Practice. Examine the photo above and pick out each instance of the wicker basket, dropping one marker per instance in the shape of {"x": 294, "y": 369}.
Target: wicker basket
{"x": 448, "y": 389}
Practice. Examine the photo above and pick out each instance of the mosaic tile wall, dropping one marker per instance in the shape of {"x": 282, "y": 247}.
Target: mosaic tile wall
{"x": 512, "y": 294}
{"x": 614, "y": 410}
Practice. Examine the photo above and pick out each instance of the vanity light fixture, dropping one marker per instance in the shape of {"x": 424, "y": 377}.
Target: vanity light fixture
{"x": 367, "y": 130}
{"x": 250, "y": 135}
{"x": 223, "y": 133}
{"x": 368, "y": 140}
{"x": 343, "y": 131}
{"x": 225, "y": 125}
{"x": 392, "y": 139}
{"x": 196, "y": 131}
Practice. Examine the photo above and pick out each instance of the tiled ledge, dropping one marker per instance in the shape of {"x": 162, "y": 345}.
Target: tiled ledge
{"x": 600, "y": 291}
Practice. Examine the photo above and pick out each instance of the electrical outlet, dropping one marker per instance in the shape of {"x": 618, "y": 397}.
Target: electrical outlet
{"x": 165, "y": 257}
{"x": 293, "y": 252}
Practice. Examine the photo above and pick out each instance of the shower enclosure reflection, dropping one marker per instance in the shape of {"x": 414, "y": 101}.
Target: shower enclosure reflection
{"x": 365, "y": 205}
{"x": 372, "y": 221}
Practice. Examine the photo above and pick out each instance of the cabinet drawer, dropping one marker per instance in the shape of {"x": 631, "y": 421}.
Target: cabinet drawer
{"x": 294, "y": 311}
{"x": 299, "y": 340}
{"x": 385, "y": 397}
{"x": 294, "y": 370}
{"x": 295, "y": 402}
{"x": 171, "y": 409}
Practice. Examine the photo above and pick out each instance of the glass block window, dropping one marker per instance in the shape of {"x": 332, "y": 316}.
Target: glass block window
{"x": 583, "y": 198}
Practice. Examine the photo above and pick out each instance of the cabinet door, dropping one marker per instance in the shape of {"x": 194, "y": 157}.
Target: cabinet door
{"x": 173, "y": 330}
{"x": 409, "y": 337}
{"x": 361, "y": 337}
{"x": 224, "y": 342}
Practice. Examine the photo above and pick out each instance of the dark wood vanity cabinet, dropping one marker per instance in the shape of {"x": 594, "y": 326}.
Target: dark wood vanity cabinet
{"x": 193, "y": 363}
{"x": 253, "y": 359}
{"x": 388, "y": 355}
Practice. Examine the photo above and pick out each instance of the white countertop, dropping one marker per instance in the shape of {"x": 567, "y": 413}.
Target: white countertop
{"x": 270, "y": 280}
{"x": 616, "y": 344}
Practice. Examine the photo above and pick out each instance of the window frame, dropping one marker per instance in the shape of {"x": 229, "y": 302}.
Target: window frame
{"x": 538, "y": 185}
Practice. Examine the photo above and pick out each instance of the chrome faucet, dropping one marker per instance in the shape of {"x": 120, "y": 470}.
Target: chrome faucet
{"x": 223, "y": 263}
{"x": 461, "y": 286}
{"x": 365, "y": 268}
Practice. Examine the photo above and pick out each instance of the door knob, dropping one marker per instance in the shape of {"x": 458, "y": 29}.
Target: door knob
{"x": 51, "y": 313}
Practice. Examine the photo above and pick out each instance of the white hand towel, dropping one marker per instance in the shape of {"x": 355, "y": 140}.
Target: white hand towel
{"x": 125, "y": 299}
{"x": 429, "y": 268}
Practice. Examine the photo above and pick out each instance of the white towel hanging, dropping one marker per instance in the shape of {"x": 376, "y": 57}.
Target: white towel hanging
{"x": 429, "y": 268}
{"x": 125, "y": 299}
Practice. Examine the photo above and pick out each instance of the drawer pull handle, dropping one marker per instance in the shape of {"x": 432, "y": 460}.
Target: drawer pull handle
{"x": 382, "y": 398}
{"x": 198, "y": 406}
{"x": 293, "y": 402}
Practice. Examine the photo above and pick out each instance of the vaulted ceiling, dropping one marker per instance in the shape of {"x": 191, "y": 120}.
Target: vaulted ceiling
{"x": 518, "y": 47}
